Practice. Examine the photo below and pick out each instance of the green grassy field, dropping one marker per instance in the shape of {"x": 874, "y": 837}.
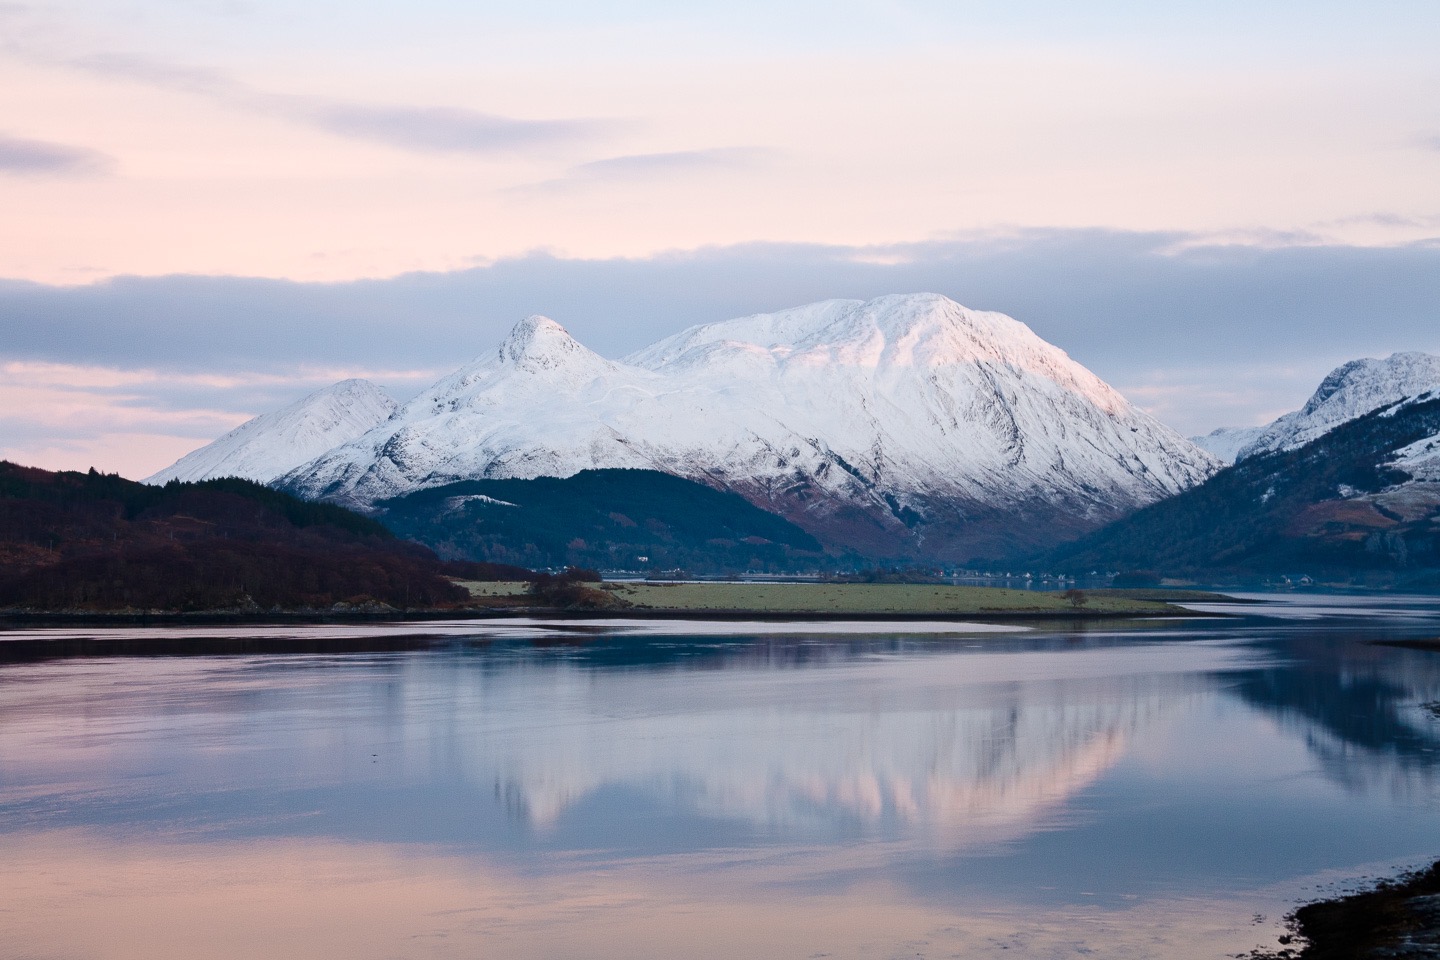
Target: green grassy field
{"x": 495, "y": 588}
{"x": 844, "y": 598}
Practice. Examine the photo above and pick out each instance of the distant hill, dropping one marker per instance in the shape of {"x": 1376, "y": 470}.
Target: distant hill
{"x": 1362, "y": 500}
{"x": 90, "y": 541}
{"x": 610, "y": 519}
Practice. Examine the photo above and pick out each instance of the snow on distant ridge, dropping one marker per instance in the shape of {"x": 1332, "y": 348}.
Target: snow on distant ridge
{"x": 1226, "y": 443}
{"x": 272, "y": 444}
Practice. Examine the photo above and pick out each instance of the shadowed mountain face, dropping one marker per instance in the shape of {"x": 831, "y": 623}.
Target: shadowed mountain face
{"x": 1362, "y": 499}
{"x": 74, "y": 541}
{"x": 611, "y": 519}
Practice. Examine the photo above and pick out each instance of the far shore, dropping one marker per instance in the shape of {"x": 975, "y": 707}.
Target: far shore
{"x": 32, "y": 618}
{"x": 769, "y": 601}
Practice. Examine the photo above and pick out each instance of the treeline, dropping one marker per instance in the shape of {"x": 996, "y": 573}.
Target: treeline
{"x": 609, "y": 519}
{"x": 86, "y": 502}
{"x": 571, "y": 589}
{"x": 235, "y": 575}
{"x": 92, "y": 541}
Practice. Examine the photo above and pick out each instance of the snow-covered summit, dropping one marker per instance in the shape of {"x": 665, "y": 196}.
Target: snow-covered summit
{"x": 272, "y": 444}
{"x": 896, "y": 414}
{"x": 539, "y": 343}
{"x": 897, "y": 334}
{"x": 538, "y": 352}
{"x": 1350, "y": 391}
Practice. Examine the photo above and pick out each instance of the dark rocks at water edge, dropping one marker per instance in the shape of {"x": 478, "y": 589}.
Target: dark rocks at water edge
{"x": 1396, "y": 920}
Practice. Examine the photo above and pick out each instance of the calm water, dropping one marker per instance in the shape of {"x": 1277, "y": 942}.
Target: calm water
{"x": 1144, "y": 790}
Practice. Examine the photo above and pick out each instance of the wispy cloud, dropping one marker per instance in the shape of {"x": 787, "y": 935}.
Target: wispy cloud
{"x": 648, "y": 167}
{"x": 421, "y": 129}
{"x": 157, "y": 73}
{"x": 138, "y": 419}
{"x": 437, "y": 129}
{"x": 40, "y": 158}
{"x": 58, "y": 417}
{"x": 1429, "y": 141}
{"x": 1384, "y": 219}
{"x": 97, "y": 378}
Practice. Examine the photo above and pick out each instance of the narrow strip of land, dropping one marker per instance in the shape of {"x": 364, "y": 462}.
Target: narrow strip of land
{"x": 829, "y": 600}
{"x": 686, "y": 600}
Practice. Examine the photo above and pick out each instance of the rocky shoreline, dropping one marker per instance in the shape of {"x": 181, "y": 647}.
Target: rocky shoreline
{"x": 1397, "y": 919}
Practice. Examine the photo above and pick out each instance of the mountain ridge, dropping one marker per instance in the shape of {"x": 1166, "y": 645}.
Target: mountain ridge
{"x": 1351, "y": 390}
{"x": 266, "y": 447}
{"x": 1361, "y": 499}
{"x": 902, "y": 427}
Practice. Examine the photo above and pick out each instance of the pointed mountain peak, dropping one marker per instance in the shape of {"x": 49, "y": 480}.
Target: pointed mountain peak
{"x": 540, "y": 340}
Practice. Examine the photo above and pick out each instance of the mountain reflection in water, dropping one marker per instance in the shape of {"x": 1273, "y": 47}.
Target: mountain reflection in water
{"x": 1109, "y": 789}
{"x": 1357, "y": 707}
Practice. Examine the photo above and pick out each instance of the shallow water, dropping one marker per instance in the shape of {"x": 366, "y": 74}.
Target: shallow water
{"x": 683, "y": 790}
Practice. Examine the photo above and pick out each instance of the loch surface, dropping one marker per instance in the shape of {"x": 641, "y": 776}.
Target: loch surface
{"x": 658, "y": 790}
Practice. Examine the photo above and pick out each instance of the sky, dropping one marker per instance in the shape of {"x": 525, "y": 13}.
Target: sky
{"x": 212, "y": 207}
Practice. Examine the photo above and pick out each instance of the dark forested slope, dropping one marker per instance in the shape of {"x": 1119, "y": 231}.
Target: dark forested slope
{"x": 607, "y": 519}
{"x": 1334, "y": 506}
{"x": 90, "y": 541}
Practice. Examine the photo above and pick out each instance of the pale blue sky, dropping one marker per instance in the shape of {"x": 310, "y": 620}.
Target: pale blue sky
{"x": 1276, "y": 30}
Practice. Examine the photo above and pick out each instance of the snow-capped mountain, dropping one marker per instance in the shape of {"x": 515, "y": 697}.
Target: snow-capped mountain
{"x": 273, "y": 444}
{"x": 906, "y": 425}
{"x": 1350, "y": 391}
